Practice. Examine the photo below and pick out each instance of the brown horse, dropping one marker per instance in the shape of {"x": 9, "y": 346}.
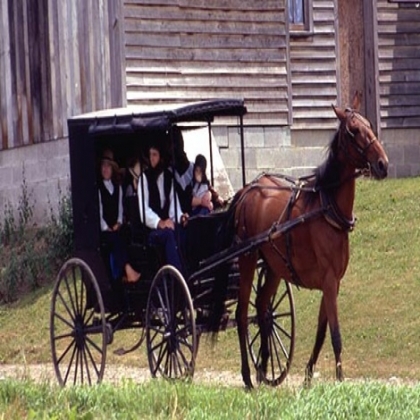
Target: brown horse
{"x": 314, "y": 254}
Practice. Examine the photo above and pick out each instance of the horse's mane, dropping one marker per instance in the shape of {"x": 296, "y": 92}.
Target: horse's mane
{"x": 327, "y": 174}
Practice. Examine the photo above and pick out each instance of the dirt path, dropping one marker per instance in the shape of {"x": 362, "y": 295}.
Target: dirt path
{"x": 117, "y": 373}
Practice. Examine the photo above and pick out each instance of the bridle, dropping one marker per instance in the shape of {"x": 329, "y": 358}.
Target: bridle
{"x": 361, "y": 161}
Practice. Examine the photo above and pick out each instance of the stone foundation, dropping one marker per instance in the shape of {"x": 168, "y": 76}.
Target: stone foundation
{"x": 46, "y": 169}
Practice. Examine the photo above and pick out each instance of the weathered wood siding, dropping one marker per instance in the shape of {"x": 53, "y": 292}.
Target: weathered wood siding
{"x": 399, "y": 64}
{"x": 314, "y": 70}
{"x": 186, "y": 50}
{"x": 57, "y": 58}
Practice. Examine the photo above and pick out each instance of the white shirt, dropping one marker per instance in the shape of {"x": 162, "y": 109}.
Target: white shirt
{"x": 110, "y": 187}
{"x": 151, "y": 219}
{"x": 199, "y": 190}
{"x": 186, "y": 178}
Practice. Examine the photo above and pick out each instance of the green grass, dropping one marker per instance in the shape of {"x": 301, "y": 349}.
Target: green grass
{"x": 378, "y": 302}
{"x": 162, "y": 400}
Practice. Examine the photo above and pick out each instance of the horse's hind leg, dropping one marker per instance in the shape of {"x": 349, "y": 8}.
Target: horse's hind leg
{"x": 319, "y": 341}
{"x": 247, "y": 264}
{"x": 262, "y": 303}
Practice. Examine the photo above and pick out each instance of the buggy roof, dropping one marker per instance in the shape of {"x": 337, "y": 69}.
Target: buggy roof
{"x": 133, "y": 118}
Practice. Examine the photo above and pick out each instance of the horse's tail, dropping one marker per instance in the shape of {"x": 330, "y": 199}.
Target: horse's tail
{"x": 226, "y": 235}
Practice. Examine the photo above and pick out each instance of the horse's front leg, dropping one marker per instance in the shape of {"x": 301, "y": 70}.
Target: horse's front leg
{"x": 330, "y": 299}
{"x": 319, "y": 341}
{"x": 247, "y": 266}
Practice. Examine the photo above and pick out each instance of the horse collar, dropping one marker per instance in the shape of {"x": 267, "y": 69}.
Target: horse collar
{"x": 333, "y": 214}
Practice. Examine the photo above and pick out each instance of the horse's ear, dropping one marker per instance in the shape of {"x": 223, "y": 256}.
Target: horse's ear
{"x": 341, "y": 114}
{"x": 357, "y": 100}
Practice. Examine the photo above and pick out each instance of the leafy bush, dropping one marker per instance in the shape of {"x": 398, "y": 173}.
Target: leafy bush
{"x": 30, "y": 256}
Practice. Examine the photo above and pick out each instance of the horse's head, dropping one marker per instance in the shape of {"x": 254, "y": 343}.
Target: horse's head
{"x": 359, "y": 142}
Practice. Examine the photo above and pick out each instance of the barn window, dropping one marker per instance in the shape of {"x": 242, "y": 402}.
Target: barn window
{"x": 300, "y": 16}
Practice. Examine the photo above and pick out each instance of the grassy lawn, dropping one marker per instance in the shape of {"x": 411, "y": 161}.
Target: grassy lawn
{"x": 163, "y": 400}
{"x": 377, "y": 305}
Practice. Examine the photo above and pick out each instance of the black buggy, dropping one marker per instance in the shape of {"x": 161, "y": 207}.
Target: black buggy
{"x": 170, "y": 312}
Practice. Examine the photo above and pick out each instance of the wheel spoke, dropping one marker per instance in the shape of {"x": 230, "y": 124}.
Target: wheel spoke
{"x": 76, "y": 299}
{"x": 76, "y": 366}
{"x": 279, "y": 301}
{"x": 182, "y": 355}
{"x": 162, "y": 353}
{"x": 70, "y": 295}
{"x": 163, "y": 306}
{"x": 280, "y": 341}
{"x": 87, "y": 368}
{"x": 62, "y": 336}
{"x": 92, "y": 359}
{"x": 274, "y": 352}
{"x": 90, "y": 317}
{"x": 159, "y": 344}
{"x": 93, "y": 344}
{"x": 62, "y": 319}
{"x": 66, "y": 306}
{"x": 73, "y": 342}
{"x": 257, "y": 335}
{"x": 70, "y": 364}
{"x": 279, "y": 327}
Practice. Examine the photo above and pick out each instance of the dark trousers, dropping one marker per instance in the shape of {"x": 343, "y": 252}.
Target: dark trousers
{"x": 166, "y": 238}
{"x": 116, "y": 248}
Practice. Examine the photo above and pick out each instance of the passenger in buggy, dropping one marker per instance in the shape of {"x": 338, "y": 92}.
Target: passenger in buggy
{"x": 184, "y": 170}
{"x": 111, "y": 218}
{"x": 162, "y": 209}
{"x": 204, "y": 197}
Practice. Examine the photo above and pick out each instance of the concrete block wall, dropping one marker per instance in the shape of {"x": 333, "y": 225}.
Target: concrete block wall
{"x": 403, "y": 149}
{"x": 269, "y": 149}
{"x": 46, "y": 169}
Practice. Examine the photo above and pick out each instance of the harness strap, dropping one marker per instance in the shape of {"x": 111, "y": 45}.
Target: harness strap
{"x": 333, "y": 215}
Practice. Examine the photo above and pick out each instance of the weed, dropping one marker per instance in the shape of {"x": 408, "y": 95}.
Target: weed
{"x": 30, "y": 255}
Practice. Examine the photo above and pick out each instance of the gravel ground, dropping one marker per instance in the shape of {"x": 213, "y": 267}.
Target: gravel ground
{"x": 117, "y": 373}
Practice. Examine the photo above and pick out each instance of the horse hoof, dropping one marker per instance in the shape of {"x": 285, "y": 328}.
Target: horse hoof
{"x": 339, "y": 373}
{"x": 249, "y": 387}
{"x": 260, "y": 377}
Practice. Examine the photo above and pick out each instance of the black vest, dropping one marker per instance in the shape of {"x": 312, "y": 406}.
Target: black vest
{"x": 109, "y": 203}
{"x": 162, "y": 210}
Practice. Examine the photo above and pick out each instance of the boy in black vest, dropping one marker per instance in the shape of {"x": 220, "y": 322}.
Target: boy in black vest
{"x": 111, "y": 215}
{"x": 162, "y": 210}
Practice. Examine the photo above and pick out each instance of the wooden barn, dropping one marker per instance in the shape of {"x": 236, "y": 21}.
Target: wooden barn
{"x": 57, "y": 59}
{"x": 289, "y": 59}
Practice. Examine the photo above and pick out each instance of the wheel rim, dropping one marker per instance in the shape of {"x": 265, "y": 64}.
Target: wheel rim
{"x": 78, "y": 330}
{"x": 170, "y": 326}
{"x": 281, "y": 332}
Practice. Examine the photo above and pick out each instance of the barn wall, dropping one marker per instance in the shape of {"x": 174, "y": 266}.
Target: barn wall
{"x": 57, "y": 59}
{"x": 399, "y": 64}
{"x": 186, "y": 50}
{"x": 313, "y": 63}
{"x": 399, "y": 85}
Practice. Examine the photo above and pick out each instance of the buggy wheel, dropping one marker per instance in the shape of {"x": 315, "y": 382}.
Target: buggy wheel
{"x": 170, "y": 326}
{"x": 78, "y": 331}
{"x": 281, "y": 332}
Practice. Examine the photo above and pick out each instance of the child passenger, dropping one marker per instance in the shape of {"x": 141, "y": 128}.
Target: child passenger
{"x": 201, "y": 194}
{"x": 111, "y": 216}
